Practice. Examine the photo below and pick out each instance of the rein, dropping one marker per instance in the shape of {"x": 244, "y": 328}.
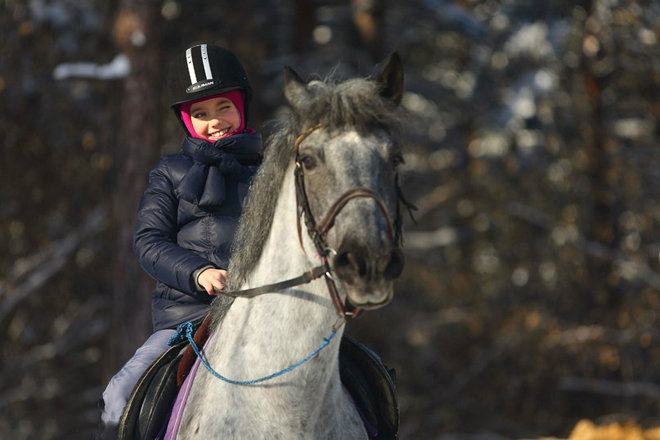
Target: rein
{"x": 305, "y": 278}
{"x": 187, "y": 329}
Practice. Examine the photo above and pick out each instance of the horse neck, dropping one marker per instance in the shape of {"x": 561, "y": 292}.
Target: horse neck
{"x": 306, "y": 308}
{"x": 282, "y": 256}
{"x": 265, "y": 334}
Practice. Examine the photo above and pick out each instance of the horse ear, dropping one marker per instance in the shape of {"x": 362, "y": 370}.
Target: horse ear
{"x": 295, "y": 91}
{"x": 390, "y": 79}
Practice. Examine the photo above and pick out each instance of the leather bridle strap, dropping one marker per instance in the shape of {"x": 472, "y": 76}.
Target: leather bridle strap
{"x": 304, "y": 135}
{"x": 339, "y": 204}
{"x": 305, "y": 278}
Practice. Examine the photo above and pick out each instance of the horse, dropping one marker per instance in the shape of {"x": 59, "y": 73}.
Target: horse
{"x": 325, "y": 203}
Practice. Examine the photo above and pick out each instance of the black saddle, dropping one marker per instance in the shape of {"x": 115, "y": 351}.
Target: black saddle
{"x": 369, "y": 382}
{"x": 153, "y": 396}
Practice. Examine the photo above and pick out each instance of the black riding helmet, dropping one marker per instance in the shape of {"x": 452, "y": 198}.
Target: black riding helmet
{"x": 206, "y": 70}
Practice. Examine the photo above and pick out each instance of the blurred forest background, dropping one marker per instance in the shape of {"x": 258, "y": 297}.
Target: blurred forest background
{"x": 531, "y": 292}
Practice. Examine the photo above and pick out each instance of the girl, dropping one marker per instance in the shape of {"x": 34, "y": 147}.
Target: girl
{"x": 190, "y": 208}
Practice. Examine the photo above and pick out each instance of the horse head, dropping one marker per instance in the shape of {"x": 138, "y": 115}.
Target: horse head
{"x": 347, "y": 155}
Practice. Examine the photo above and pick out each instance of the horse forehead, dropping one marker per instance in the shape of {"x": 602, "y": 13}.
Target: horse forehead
{"x": 353, "y": 144}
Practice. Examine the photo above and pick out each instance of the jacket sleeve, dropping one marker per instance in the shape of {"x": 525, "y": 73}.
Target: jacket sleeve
{"x": 155, "y": 235}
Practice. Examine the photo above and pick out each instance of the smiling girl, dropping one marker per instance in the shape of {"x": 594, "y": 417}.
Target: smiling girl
{"x": 190, "y": 208}
{"x": 215, "y": 118}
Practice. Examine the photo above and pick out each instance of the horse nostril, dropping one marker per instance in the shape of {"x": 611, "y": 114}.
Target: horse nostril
{"x": 395, "y": 265}
{"x": 359, "y": 264}
{"x": 354, "y": 263}
{"x": 342, "y": 264}
{"x": 350, "y": 264}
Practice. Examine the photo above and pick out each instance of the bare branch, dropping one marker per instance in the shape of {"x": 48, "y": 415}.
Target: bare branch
{"x": 586, "y": 334}
{"x": 81, "y": 328}
{"x": 481, "y": 363}
{"x": 25, "y": 394}
{"x": 41, "y": 267}
{"x": 435, "y": 198}
{"x": 610, "y": 388}
{"x": 630, "y": 268}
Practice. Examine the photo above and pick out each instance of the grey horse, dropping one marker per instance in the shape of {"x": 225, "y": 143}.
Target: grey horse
{"x": 340, "y": 138}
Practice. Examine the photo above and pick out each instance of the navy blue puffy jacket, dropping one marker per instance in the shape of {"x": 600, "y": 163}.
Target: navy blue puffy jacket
{"x": 187, "y": 218}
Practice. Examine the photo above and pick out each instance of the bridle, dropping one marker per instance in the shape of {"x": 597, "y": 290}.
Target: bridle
{"x": 318, "y": 233}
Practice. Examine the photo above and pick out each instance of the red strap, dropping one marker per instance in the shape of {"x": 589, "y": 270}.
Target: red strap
{"x": 189, "y": 357}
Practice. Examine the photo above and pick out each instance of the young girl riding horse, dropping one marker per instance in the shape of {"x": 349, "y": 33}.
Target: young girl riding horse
{"x": 190, "y": 208}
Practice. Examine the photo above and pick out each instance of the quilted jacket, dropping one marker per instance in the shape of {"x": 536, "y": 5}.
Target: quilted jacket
{"x": 187, "y": 218}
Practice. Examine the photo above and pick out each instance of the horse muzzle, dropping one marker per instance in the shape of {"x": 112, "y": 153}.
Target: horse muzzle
{"x": 366, "y": 274}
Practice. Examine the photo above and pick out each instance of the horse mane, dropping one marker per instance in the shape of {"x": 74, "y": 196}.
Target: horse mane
{"x": 355, "y": 104}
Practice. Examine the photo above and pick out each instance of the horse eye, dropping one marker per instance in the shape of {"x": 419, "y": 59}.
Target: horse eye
{"x": 308, "y": 162}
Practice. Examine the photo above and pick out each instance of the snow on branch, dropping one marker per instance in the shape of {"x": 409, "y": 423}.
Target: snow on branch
{"x": 118, "y": 68}
{"x": 626, "y": 266}
{"x": 452, "y": 17}
{"x": 441, "y": 237}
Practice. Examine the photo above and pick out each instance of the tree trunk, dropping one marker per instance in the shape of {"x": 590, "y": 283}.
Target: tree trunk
{"x": 366, "y": 19}
{"x": 303, "y": 20}
{"x": 136, "y": 34}
{"x": 603, "y": 172}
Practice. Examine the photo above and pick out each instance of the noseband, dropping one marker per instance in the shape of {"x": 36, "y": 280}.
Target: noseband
{"x": 318, "y": 233}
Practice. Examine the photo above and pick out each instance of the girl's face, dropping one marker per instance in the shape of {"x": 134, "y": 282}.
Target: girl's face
{"x": 215, "y": 118}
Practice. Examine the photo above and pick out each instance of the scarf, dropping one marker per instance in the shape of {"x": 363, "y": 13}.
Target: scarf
{"x": 204, "y": 183}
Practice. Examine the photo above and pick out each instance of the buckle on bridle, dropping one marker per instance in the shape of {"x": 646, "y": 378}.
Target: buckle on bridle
{"x": 326, "y": 253}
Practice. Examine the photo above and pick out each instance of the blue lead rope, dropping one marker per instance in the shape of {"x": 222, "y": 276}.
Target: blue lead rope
{"x": 186, "y": 330}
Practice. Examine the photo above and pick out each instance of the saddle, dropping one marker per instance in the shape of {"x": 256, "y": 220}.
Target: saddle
{"x": 372, "y": 386}
{"x": 368, "y": 381}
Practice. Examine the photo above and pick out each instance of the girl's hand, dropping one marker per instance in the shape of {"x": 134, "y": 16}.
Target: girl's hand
{"x": 212, "y": 280}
